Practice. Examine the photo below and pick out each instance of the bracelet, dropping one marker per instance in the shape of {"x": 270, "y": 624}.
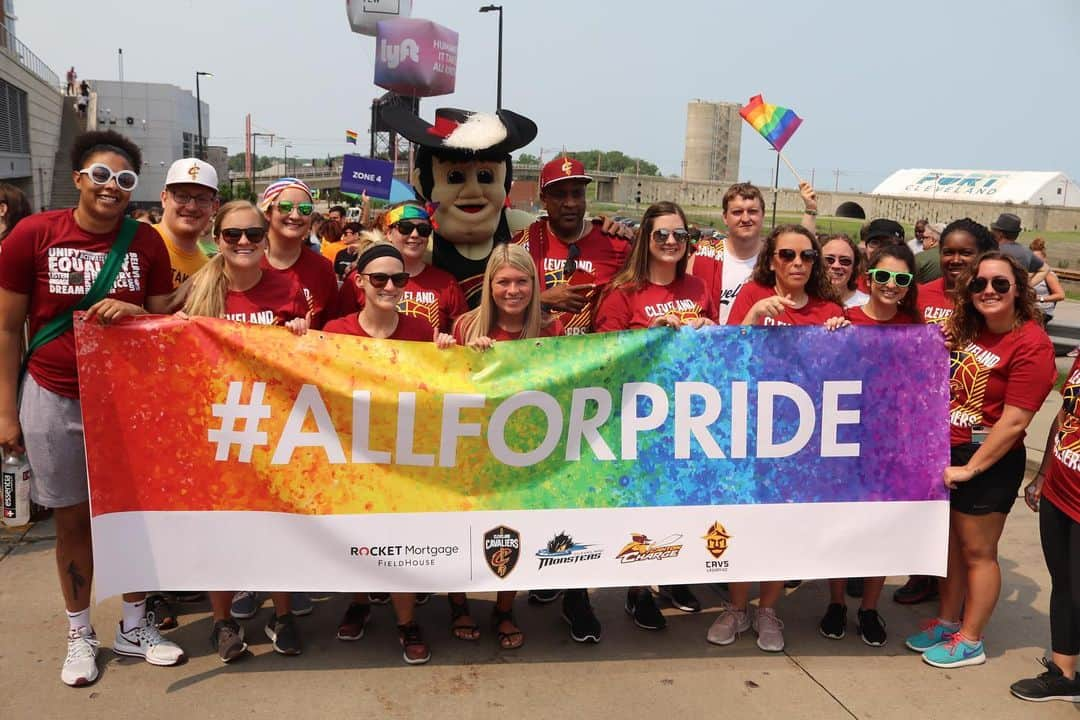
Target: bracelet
{"x": 810, "y": 212}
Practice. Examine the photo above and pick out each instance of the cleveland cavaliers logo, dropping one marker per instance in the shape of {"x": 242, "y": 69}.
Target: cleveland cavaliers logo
{"x": 502, "y": 548}
{"x": 567, "y": 167}
{"x": 193, "y": 171}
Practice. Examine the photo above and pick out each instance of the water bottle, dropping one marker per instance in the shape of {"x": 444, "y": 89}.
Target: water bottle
{"x": 16, "y": 489}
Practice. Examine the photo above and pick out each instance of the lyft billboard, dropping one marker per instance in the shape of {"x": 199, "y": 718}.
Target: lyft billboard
{"x": 415, "y": 57}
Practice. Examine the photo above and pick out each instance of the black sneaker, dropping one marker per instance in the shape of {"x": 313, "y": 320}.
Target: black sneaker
{"x": 855, "y": 587}
{"x": 282, "y": 632}
{"x": 379, "y": 598}
{"x": 918, "y": 589}
{"x": 543, "y": 597}
{"x": 353, "y": 623}
{"x": 1050, "y": 685}
{"x": 681, "y": 597}
{"x": 871, "y": 628}
{"x": 228, "y": 639}
{"x": 834, "y": 624}
{"x": 578, "y": 613}
{"x": 641, "y": 606}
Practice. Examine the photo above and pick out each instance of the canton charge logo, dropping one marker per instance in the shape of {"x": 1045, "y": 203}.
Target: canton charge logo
{"x": 641, "y": 548}
{"x": 562, "y": 550}
{"x": 716, "y": 540}
{"x": 502, "y": 548}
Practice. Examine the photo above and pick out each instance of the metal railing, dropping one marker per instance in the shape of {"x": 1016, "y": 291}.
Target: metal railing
{"x": 28, "y": 59}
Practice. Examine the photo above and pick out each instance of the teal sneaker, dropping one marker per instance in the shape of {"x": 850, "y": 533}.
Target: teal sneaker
{"x": 955, "y": 652}
{"x": 931, "y": 632}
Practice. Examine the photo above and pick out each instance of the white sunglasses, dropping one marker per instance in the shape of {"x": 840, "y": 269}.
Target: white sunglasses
{"x": 101, "y": 174}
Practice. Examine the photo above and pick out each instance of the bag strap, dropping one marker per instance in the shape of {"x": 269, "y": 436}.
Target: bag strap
{"x": 103, "y": 283}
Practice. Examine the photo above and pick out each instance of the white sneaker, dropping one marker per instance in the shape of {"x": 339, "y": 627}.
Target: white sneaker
{"x": 728, "y": 626}
{"x": 769, "y": 629}
{"x": 80, "y": 665}
{"x": 146, "y": 642}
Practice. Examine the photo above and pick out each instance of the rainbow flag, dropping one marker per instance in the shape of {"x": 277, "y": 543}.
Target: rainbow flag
{"x": 776, "y": 124}
{"x": 351, "y": 136}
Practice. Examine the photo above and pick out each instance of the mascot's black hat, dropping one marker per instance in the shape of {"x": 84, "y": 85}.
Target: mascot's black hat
{"x": 462, "y": 131}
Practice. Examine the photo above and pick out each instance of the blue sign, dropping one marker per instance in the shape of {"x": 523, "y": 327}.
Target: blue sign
{"x": 361, "y": 174}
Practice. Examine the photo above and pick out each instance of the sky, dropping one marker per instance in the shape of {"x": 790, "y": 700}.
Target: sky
{"x": 957, "y": 84}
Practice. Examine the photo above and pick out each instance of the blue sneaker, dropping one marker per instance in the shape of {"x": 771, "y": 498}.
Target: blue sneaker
{"x": 300, "y": 603}
{"x": 244, "y": 605}
{"x": 955, "y": 652}
{"x": 931, "y": 632}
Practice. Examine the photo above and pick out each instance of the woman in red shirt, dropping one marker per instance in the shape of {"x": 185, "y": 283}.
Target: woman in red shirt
{"x": 961, "y": 242}
{"x": 1054, "y": 493}
{"x": 789, "y": 285}
{"x": 1002, "y": 368}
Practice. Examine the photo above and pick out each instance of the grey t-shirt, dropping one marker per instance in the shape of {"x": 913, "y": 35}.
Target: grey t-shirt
{"x": 1022, "y": 255}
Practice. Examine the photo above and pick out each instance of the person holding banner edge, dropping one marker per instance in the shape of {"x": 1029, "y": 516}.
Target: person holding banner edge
{"x": 1002, "y": 368}
{"x": 92, "y": 242}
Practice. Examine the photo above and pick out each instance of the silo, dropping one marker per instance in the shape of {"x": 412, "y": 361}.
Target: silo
{"x": 713, "y": 136}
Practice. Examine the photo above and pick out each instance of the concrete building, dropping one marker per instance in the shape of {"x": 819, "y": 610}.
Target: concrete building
{"x": 159, "y": 118}
{"x": 31, "y": 106}
{"x": 713, "y": 140}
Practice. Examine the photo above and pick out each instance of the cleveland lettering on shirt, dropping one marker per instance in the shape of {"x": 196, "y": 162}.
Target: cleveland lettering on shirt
{"x": 1015, "y": 368}
{"x": 274, "y": 300}
{"x": 815, "y": 312}
{"x": 935, "y": 302}
{"x": 600, "y": 258}
{"x": 51, "y": 260}
{"x": 1062, "y": 484}
{"x": 734, "y": 273}
{"x": 628, "y": 308}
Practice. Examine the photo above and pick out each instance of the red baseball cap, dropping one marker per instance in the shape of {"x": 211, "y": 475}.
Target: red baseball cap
{"x": 563, "y": 168}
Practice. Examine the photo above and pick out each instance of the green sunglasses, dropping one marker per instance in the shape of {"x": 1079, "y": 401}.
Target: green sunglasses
{"x": 882, "y": 277}
{"x": 304, "y": 208}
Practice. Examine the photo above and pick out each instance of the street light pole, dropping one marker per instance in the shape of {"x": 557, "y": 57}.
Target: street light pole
{"x": 498, "y": 90}
{"x": 198, "y": 112}
{"x": 286, "y": 146}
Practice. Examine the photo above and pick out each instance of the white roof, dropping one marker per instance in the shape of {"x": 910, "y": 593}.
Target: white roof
{"x": 990, "y": 186}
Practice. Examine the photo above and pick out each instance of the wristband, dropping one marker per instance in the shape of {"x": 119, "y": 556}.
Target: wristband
{"x": 809, "y": 212}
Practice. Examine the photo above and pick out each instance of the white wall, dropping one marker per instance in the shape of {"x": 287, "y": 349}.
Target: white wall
{"x": 33, "y": 173}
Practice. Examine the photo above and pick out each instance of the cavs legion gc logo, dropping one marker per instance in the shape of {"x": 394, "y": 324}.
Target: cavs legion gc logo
{"x": 641, "y": 547}
{"x": 562, "y": 550}
{"x": 502, "y": 547}
{"x": 716, "y": 542}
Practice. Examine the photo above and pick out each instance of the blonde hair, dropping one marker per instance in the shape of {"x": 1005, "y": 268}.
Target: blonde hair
{"x": 482, "y": 320}
{"x": 208, "y": 287}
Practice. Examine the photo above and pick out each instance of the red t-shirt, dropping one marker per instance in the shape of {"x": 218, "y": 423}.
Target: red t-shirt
{"x": 1062, "y": 484}
{"x": 408, "y": 328}
{"x": 1016, "y": 369}
{"x": 710, "y": 269}
{"x": 857, "y": 316}
{"x": 815, "y": 312}
{"x": 52, "y": 260}
{"x": 626, "y": 308}
{"x": 274, "y": 300}
{"x": 554, "y": 328}
{"x": 600, "y": 258}
{"x": 935, "y": 303}
{"x": 315, "y": 275}
{"x": 433, "y": 295}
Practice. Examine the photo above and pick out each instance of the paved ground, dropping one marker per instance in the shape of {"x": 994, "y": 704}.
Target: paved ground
{"x": 630, "y": 674}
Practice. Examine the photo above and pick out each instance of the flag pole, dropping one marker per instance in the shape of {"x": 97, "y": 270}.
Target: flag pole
{"x": 791, "y": 167}
{"x": 775, "y": 188}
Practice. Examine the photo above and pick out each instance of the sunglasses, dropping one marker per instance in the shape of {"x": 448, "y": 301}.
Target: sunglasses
{"x": 379, "y": 280}
{"x": 882, "y": 277}
{"x": 304, "y": 208}
{"x": 680, "y": 235}
{"x": 843, "y": 260}
{"x": 232, "y": 235}
{"x": 999, "y": 283}
{"x": 573, "y": 252}
{"x": 789, "y": 255}
{"x": 101, "y": 174}
{"x": 406, "y": 227}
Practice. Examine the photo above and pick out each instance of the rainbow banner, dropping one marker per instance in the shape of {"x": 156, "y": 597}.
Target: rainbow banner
{"x": 227, "y": 456}
{"x": 351, "y": 136}
{"x": 776, "y": 124}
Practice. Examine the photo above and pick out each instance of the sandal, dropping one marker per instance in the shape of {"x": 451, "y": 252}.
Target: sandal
{"x": 470, "y": 631}
{"x": 164, "y": 615}
{"x": 507, "y": 640}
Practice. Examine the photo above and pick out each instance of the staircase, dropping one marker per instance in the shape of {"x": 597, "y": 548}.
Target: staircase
{"x": 64, "y": 194}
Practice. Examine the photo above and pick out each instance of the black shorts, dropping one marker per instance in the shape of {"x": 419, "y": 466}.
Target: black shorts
{"x": 993, "y": 490}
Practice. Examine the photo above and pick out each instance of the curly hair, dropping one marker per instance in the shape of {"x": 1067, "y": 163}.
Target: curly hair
{"x": 857, "y": 265}
{"x": 984, "y": 240}
{"x": 97, "y": 141}
{"x": 636, "y": 272}
{"x": 817, "y": 285}
{"x": 965, "y": 324}
{"x": 910, "y": 303}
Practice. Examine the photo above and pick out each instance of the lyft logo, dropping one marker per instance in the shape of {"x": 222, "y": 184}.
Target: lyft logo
{"x": 394, "y": 55}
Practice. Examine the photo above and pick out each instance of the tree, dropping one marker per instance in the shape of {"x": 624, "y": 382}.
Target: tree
{"x": 609, "y": 161}
{"x": 239, "y": 190}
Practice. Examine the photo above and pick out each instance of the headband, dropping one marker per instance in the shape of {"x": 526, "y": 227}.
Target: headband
{"x": 274, "y": 190}
{"x": 404, "y": 212}
{"x": 376, "y": 251}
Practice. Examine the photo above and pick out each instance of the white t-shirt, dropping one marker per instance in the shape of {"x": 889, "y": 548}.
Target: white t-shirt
{"x": 736, "y": 273}
{"x": 857, "y": 300}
